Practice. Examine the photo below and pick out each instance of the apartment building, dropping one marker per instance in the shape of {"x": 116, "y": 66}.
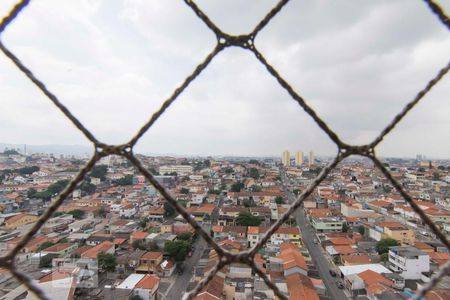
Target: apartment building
{"x": 408, "y": 261}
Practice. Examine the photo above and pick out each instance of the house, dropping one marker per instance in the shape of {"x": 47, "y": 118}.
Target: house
{"x": 229, "y": 232}
{"x": 20, "y": 220}
{"x": 60, "y": 285}
{"x": 149, "y": 262}
{"x": 127, "y": 210}
{"x": 408, "y": 261}
{"x": 138, "y": 235}
{"x": 165, "y": 268}
{"x": 327, "y": 224}
{"x": 156, "y": 214}
{"x": 293, "y": 260}
{"x": 105, "y": 247}
{"x": 129, "y": 260}
{"x": 394, "y": 230}
{"x": 60, "y": 250}
{"x": 300, "y": 287}
{"x": 145, "y": 286}
{"x": 213, "y": 290}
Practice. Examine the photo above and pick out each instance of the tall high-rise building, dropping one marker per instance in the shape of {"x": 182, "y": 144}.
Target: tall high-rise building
{"x": 286, "y": 158}
{"x": 311, "y": 158}
{"x": 299, "y": 158}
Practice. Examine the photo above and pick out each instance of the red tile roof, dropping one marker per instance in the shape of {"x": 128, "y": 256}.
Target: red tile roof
{"x": 148, "y": 282}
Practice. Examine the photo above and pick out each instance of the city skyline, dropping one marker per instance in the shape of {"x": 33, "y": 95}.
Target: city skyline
{"x": 113, "y": 82}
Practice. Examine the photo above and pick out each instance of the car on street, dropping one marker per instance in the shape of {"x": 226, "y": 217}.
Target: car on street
{"x": 332, "y": 273}
{"x": 339, "y": 284}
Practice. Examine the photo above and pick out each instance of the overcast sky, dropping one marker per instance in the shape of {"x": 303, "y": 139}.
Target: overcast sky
{"x": 113, "y": 63}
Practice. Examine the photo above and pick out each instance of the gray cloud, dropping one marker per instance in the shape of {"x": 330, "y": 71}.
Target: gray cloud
{"x": 114, "y": 62}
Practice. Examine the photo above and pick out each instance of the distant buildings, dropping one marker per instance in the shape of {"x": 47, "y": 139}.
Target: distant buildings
{"x": 286, "y": 158}
{"x": 311, "y": 159}
{"x": 299, "y": 158}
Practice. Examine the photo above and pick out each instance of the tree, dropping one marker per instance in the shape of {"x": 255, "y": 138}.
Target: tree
{"x": 296, "y": 192}
{"x": 107, "y": 261}
{"x": 361, "y": 229}
{"x": 127, "y": 180}
{"x": 139, "y": 244}
{"x": 237, "y": 187}
{"x": 88, "y": 188}
{"x": 256, "y": 188}
{"x": 185, "y": 236}
{"x": 57, "y": 187}
{"x": 45, "y": 245}
{"x": 10, "y": 152}
{"x": 278, "y": 178}
{"x": 184, "y": 191}
{"x": 436, "y": 176}
{"x": 77, "y": 213}
{"x": 253, "y": 162}
{"x": 247, "y": 219}
{"x": 279, "y": 200}
{"x": 44, "y": 195}
{"x": 46, "y": 261}
{"x": 229, "y": 170}
{"x": 213, "y": 191}
{"x": 344, "y": 227}
{"x": 143, "y": 222}
{"x": 101, "y": 212}
{"x": 383, "y": 245}
{"x": 177, "y": 249}
{"x": 384, "y": 257}
{"x": 207, "y": 163}
{"x": 169, "y": 210}
{"x": 99, "y": 172}
{"x": 249, "y": 202}
{"x": 135, "y": 297}
{"x": 28, "y": 170}
{"x": 254, "y": 173}
{"x": 57, "y": 214}
{"x": 31, "y": 192}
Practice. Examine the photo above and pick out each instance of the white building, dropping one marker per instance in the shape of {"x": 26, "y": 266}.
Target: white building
{"x": 144, "y": 286}
{"x": 408, "y": 261}
{"x": 179, "y": 169}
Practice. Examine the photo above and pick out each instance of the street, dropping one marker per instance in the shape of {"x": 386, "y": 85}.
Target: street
{"x": 181, "y": 282}
{"x": 178, "y": 288}
{"x": 315, "y": 250}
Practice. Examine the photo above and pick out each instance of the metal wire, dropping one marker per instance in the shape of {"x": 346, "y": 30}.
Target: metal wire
{"x": 224, "y": 40}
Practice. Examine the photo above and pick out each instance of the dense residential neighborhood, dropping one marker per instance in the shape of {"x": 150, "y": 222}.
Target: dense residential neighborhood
{"x": 115, "y": 236}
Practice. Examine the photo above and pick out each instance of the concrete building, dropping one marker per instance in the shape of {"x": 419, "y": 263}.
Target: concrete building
{"x": 311, "y": 159}
{"x": 286, "y": 158}
{"x": 408, "y": 261}
{"x": 299, "y": 158}
{"x": 179, "y": 169}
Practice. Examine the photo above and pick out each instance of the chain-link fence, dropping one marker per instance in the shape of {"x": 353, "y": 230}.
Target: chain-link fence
{"x": 224, "y": 40}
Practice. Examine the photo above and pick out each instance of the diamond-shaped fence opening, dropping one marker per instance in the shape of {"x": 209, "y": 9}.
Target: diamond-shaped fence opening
{"x": 246, "y": 43}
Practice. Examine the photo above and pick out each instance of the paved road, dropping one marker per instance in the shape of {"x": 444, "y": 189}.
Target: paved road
{"x": 315, "y": 251}
{"x": 181, "y": 282}
{"x": 178, "y": 288}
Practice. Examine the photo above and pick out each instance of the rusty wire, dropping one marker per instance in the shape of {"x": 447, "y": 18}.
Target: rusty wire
{"x": 224, "y": 40}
